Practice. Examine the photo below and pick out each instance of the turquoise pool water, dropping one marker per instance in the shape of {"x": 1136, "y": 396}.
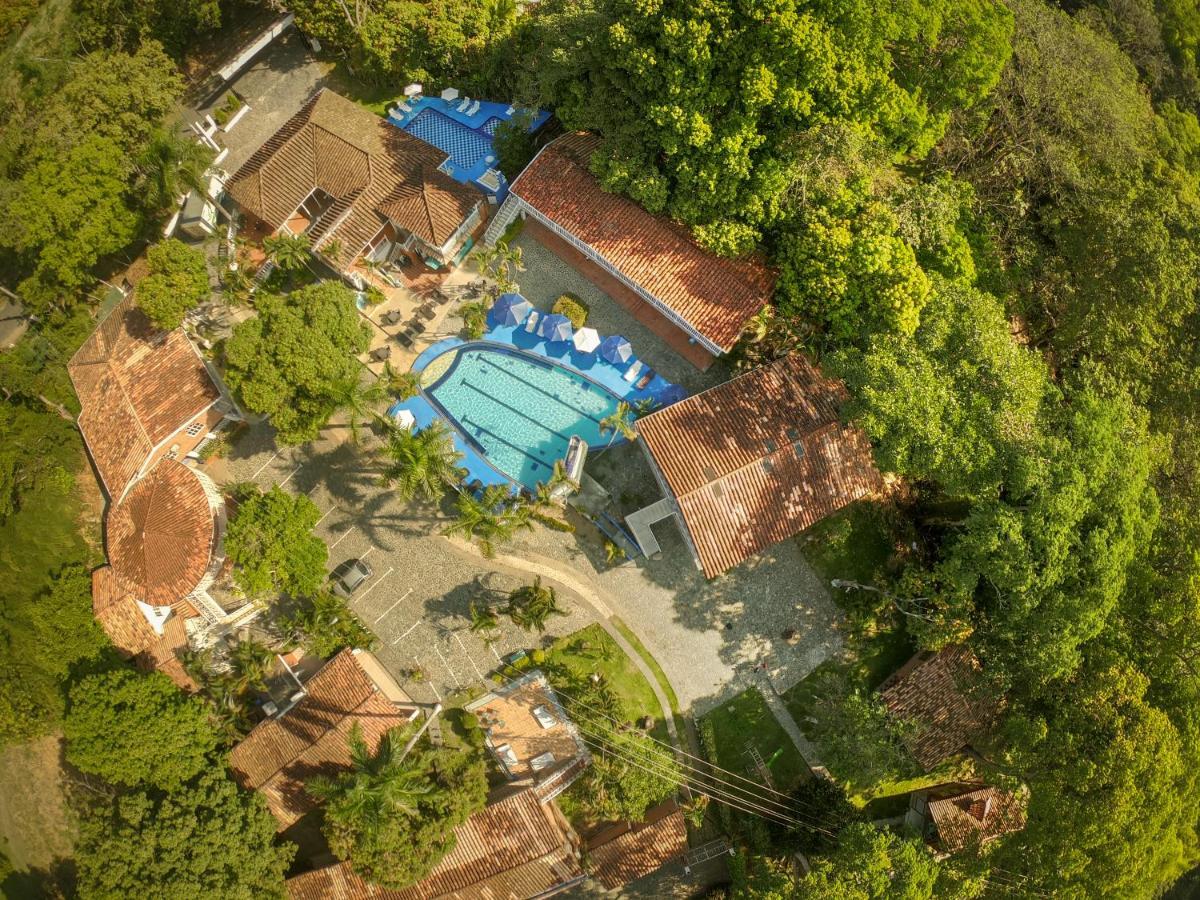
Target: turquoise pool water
{"x": 520, "y": 410}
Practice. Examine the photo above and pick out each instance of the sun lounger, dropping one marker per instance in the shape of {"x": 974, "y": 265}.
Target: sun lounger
{"x": 426, "y": 312}
{"x": 474, "y": 108}
{"x": 633, "y": 371}
{"x": 404, "y": 339}
{"x": 417, "y": 328}
{"x": 466, "y": 101}
{"x": 531, "y": 322}
{"x": 645, "y": 379}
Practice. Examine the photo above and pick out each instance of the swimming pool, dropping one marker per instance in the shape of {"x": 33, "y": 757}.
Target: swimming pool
{"x": 520, "y": 410}
{"x": 465, "y": 145}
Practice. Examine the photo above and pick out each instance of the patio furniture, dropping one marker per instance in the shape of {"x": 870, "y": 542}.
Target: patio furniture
{"x": 586, "y": 340}
{"x": 544, "y": 717}
{"x": 531, "y": 322}
{"x": 616, "y": 350}
{"x": 417, "y": 327}
{"x": 474, "y": 108}
{"x": 633, "y": 371}
{"x": 413, "y": 90}
{"x": 466, "y": 101}
{"x": 379, "y": 354}
{"x": 391, "y": 318}
{"x": 645, "y": 379}
{"x": 426, "y": 312}
{"x": 449, "y": 94}
{"x": 542, "y": 761}
{"x": 404, "y": 339}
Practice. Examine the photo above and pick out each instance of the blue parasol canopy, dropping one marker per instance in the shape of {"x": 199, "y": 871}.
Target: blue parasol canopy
{"x": 616, "y": 349}
{"x": 511, "y": 309}
{"x": 555, "y": 327}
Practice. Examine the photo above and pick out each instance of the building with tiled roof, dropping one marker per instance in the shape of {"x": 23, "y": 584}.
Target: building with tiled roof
{"x": 145, "y": 394}
{"x": 705, "y": 298}
{"x": 755, "y": 460}
{"x": 310, "y": 737}
{"x": 940, "y": 698}
{"x": 515, "y": 848}
{"x": 953, "y": 817}
{"x": 530, "y": 734}
{"x": 628, "y": 851}
{"x": 356, "y": 184}
{"x": 154, "y": 642}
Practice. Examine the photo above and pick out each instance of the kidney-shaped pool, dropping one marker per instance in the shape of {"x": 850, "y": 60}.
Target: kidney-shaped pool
{"x": 519, "y": 410}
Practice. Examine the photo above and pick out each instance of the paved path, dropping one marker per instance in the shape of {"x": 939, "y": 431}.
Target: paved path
{"x": 786, "y": 721}
{"x": 555, "y": 574}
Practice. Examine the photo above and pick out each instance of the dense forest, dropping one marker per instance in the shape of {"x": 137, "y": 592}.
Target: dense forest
{"x": 985, "y": 218}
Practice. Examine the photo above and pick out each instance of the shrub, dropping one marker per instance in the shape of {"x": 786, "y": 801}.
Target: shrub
{"x": 226, "y": 111}
{"x": 573, "y": 308}
{"x": 538, "y": 657}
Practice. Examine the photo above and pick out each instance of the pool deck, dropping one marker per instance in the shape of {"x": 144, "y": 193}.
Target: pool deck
{"x": 402, "y": 117}
{"x": 560, "y": 353}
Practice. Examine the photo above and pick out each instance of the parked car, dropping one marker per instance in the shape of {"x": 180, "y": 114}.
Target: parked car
{"x": 349, "y": 576}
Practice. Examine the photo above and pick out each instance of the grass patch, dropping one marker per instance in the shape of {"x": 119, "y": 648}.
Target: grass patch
{"x": 515, "y": 227}
{"x": 591, "y": 649}
{"x": 36, "y": 831}
{"x": 873, "y": 660}
{"x": 659, "y": 675}
{"x": 746, "y": 718}
{"x": 376, "y": 98}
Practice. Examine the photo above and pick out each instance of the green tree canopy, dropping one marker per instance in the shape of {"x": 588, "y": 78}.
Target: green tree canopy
{"x": 177, "y": 283}
{"x": 207, "y": 838}
{"x": 290, "y": 359}
{"x": 421, "y": 463}
{"x": 393, "y": 817}
{"x": 136, "y": 729}
{"x": 271, "y": 543}
{"x": 873, "y": 864}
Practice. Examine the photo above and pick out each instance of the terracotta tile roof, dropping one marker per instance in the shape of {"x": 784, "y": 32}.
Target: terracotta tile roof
{"x": 160, "y": 536}
{"x": 716, "y": 296}
{"x": 757, "y": 459}
{"x": 372, "y": 169}
{"x": 137, "y": 386}
{"x": 937, "y": 694}
{"x": 131, "y": 633}
{"x": 619, "y": 856}
{"x": 512, "y": 849}
{"x": 967, "y": 814}
{"x": 282, "y": 753}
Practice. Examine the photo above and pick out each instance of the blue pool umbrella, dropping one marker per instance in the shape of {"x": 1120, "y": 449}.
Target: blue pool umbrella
{"x": 615, "y": 349}
{"x": 511, "y": 309}
{"x": 555, "y": 327}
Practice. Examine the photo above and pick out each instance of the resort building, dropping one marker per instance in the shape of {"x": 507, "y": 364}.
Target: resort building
{"x": 627, "y": 851}
{"x": 531, "y": 735}
{"x": 149, "y": 402}
{"x": 309, "y": 736}
{"x": 366, "y": 193}
{"x": 940, "y": 696}
{"x": 697, "y": 302}
{"x": 145, "y": 394}
{"x": 518, "y": 846}
{"x": 953, "y": 817}
{"x": 751, "y": 462}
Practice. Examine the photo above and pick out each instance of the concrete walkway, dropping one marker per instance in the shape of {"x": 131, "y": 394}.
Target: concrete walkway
{"x": 787, "y": 722}
{"x": 557, "y": 576}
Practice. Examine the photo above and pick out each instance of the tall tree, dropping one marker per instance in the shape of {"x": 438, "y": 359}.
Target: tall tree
{"x": 177, "y": 283}
{"x": 270, "y": 541}
{"x": 207, "y": 838}
{"x": 136, "y": 729}
{"x": 290, "y": 360}
{"x": 492, "y": 518}
{"x": 421, "y": 463}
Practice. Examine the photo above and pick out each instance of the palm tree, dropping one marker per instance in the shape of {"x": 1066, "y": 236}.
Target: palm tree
{"x": 619, "y": 421}
{"x": 251, "y": 663}
{"x": 489, "y": 519}
{"x": 289, "y": 251}
{"x": 172, "y": 165}
{"x": 378, "y": 786}
{"x": 358, "y": 399}
{"x": 421, "y": 463}
{"x": 485, "y": 622}
{"x": 402, "y": 384}
{"x": 546, "y": 510}
{"x": 531, "y": 605}
{"x": 235, "y": 285}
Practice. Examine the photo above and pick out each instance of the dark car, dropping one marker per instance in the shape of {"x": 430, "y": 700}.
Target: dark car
{"x": 349, "y": 576}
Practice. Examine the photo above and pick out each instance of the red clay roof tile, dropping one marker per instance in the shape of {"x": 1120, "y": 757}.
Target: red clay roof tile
{"x": 964, "y": 815}
{"x": 716, "y": 296}
{"x": 757, "y": 459}
{"x": 641, "y": 848}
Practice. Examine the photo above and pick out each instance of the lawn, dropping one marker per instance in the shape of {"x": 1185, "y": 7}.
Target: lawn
{"x": 591, "y": 649}
{"x": 659, "y": 675}
{"x": 746, "y": 719}
{"x": 35, "y": 831}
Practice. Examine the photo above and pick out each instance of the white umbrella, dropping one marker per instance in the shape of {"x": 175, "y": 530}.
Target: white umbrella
{"x": 405, "y": 419}
{"x": 450, "y": 94}
{"x": 586, "y": 340}
{"x": 413, "y": 89}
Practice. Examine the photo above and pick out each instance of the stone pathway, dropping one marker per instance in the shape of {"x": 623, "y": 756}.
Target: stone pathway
{"x": 787, "y": 722}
